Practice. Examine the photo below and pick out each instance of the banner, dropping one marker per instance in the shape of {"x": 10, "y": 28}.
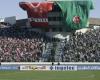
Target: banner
{"x": 34, "y": 67}
{"x": 75, "y": 13}
{"x": 88, "y": 67}
{"x": 37, "y": 12}
{"x": 64, "y": 68}
{"x": 9, "y": 67}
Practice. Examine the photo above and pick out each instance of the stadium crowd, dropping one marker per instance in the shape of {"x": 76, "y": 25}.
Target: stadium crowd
{"x": 27, "y": 46}
{"x": 83, "y": 47}
{"x": 20, "y": 46}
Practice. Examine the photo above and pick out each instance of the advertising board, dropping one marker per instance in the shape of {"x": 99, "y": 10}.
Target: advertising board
{"x": 9, "y": 67}
{"x": 33, "y": 67}
{"x": 47, "y": 66}
{"x": 64, "y": 68}
{"x": 88, "y": 67}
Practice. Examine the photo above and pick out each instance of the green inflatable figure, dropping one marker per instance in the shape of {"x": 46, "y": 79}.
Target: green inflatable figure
{"x": 75, "y": 13}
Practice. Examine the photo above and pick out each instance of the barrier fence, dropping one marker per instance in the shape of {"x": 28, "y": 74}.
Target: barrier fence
{"x": 49, "y": 67}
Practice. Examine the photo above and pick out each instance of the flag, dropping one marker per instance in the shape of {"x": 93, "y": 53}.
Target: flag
{"x": 75, "y": 13}
{"x": 37, "y": 12}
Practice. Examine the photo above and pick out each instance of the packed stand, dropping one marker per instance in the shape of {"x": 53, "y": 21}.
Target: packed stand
{"x": 83, "y": 47}
{"x": 23, "y": 45}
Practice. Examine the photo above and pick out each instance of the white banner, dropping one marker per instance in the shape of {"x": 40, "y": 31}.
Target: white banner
{"x": 34, "y": 67}
{"x": 64, "y": 68}
{"x": 44, "y": 67}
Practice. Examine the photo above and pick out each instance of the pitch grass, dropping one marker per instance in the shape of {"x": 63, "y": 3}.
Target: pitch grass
{"x": 49, "y": 75}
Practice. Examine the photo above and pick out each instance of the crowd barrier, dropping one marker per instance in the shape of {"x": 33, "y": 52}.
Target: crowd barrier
{"x": 46, "y": 66}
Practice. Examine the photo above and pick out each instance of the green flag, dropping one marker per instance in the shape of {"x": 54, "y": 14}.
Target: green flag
{"x": 75, "y": 13}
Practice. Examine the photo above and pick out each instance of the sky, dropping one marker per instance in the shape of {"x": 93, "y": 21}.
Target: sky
{"x": 11, "y": 8}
